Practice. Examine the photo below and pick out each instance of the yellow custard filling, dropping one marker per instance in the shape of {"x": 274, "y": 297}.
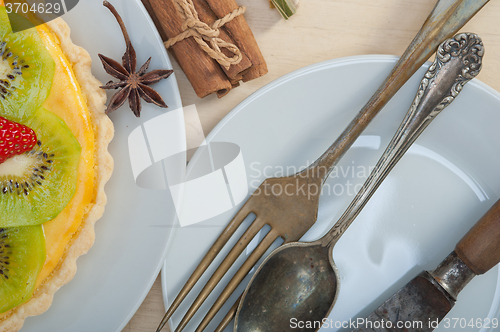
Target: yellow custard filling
{"x": 75, "y": 97}
{"x": 67, "y": 101}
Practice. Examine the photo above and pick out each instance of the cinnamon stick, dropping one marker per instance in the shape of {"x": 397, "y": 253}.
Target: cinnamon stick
{"x": 234, "y": 72}
{"x": 243, "y": 37}
{"x": 204, "y": 73}
{"x": 153, "y": 16}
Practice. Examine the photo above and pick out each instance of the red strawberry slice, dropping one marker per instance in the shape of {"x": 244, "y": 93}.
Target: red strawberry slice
{"x": 15, "y": 139}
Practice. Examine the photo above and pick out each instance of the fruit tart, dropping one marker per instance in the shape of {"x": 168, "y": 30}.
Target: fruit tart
{"x": 54, "y": 163}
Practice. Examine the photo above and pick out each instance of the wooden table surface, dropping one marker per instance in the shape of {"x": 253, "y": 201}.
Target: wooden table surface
{"x": 323, "y": 30}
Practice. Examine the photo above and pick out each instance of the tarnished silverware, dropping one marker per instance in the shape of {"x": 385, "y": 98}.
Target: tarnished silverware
{"x": 290, "y": 216}
{"x": 300, "y": 280}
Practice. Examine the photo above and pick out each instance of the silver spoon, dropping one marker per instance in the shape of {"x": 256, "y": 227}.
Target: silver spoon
{"x": 300, "y": 280}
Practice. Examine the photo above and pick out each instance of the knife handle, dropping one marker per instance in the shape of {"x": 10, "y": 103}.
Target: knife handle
{"x": 480, "y": 247}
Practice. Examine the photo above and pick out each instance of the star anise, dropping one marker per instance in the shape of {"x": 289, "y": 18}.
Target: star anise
{"x": 133, "y": 85}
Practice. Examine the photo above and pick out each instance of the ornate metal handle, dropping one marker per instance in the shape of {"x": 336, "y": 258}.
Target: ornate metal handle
{"x": 447, "y": 17}
{"x": 458, "y": 60}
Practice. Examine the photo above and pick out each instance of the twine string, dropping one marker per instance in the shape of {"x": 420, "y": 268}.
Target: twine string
{"x": 207, "y": 36}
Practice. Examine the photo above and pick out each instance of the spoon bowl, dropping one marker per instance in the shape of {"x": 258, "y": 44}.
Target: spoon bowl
{"x": 299, "y": 282}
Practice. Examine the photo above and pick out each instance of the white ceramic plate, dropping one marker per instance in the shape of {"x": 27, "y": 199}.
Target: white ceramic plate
{"x": 447, "y": 180}
{"x": 117, "y": 273}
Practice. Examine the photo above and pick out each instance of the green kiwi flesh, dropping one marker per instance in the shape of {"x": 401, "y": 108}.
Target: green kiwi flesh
{"x": 26, "y": 69}
{"x": 22, "y": 254}
{"x": 37, "y": 185}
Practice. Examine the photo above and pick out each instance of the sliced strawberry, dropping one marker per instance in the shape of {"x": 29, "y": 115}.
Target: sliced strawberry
{"x": 15, "y": 139}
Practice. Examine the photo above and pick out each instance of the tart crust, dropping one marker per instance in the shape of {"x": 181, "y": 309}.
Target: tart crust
{"x": 83, "y": 239}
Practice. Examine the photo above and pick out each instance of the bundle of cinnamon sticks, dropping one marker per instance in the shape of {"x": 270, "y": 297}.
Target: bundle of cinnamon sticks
{"x": 206, "y": 75}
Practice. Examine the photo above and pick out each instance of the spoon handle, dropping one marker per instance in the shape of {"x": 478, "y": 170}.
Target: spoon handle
{"x": 447, "y": 17}
{"x": 458, "y": 60}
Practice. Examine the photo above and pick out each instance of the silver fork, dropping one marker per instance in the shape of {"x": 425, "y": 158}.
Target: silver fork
{"x": 291, "y": 216}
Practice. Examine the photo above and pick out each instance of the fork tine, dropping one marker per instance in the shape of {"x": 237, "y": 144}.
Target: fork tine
{"x": 229, "y": 316}
{"x": 228, "y": 261}
{"x": 232, "y": 312}
{"x": 206, "y": 261}
{"x": 238, "y": 277}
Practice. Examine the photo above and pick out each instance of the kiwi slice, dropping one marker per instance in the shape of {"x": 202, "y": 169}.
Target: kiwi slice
{"x": 26, "y": 69}
{"x": 37, "y": 185}
{"x": 22, "y": 254}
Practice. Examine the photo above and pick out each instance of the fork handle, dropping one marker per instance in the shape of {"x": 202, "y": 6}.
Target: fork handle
{"x": 458, "y": 60}
{"x": 447, "y": 17}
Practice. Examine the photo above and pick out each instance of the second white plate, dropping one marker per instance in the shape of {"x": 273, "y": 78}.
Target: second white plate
{"x": 447, "y": 180}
